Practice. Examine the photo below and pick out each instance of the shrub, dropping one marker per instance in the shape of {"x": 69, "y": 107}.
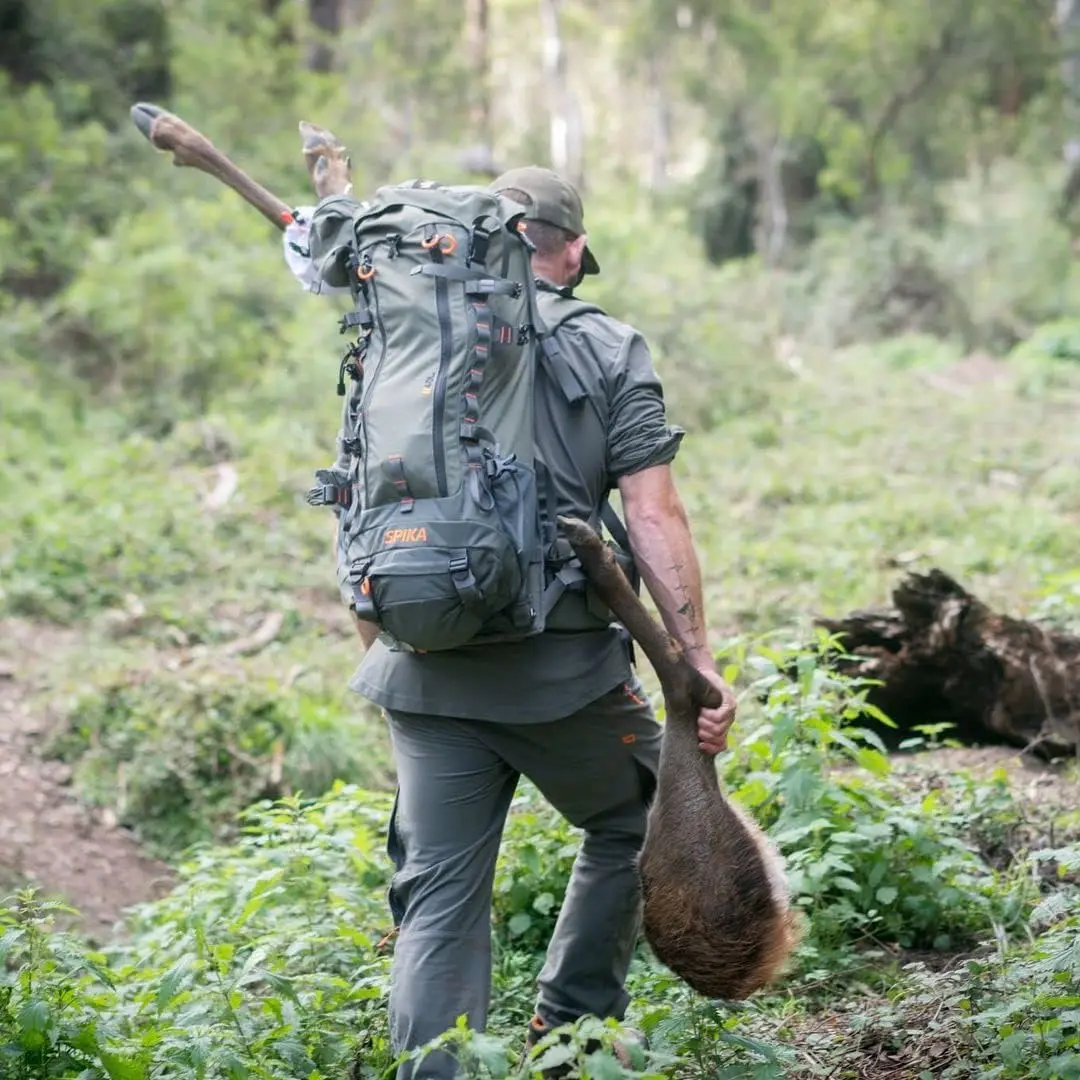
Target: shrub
{"x": 867, "y": 859}
{"x": 180, "y": 757}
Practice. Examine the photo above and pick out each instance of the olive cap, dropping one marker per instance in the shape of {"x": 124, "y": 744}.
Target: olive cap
{"x": 551, "y": 199}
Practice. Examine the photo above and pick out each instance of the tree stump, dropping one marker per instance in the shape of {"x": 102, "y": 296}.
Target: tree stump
{"x": 942, "y": 656}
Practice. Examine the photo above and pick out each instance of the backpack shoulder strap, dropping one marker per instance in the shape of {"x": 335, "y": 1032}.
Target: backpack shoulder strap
{"x": 547, "y": 325}
{"x": 559, "y": 312}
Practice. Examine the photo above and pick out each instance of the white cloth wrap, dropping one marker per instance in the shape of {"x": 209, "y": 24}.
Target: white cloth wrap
{"x": 298, "y": 254}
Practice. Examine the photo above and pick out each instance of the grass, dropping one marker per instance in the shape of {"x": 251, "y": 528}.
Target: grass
{"x": 815, "y": 478}
{"x": 855, "y": 466}
{"x": 863, "y": 469}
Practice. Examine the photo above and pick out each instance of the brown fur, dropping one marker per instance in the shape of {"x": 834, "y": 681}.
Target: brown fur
{"x": 191, "y": 148}
{"x": 716, "y": 908}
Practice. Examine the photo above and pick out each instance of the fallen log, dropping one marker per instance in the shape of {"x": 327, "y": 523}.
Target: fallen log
{"x": 716, "y": 905}
{"x": 942, "y": 656}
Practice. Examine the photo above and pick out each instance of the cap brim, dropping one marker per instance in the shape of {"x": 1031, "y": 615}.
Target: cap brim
{"x": 588, "y": 262}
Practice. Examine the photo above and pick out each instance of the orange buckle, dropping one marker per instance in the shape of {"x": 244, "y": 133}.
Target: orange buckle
{"x": 447, "y": 243}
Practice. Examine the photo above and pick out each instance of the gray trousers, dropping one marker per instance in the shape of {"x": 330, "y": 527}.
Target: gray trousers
{"x": 456, "y": 778}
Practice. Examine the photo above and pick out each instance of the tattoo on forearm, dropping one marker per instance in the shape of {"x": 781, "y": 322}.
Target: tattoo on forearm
{"x": 687, "y": 609}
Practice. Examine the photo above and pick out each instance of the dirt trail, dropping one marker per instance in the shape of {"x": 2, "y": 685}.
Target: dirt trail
{"x": 48, "y": 837}
{"x": 51, "y": 839}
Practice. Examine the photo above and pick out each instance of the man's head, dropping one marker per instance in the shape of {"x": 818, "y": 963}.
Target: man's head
{"x": 554, "y": 222}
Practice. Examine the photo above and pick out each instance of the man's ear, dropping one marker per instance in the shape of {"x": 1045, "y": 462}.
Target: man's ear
{"x": 577, "y": 248}
{"x": 575, "y": 251}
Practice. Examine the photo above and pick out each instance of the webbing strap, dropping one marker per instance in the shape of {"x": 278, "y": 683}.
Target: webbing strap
{"x": 557, "y": 366}
{"x": 467, "y": 588}
{"x": 568, "y": 577}
{"x": 549, "y": 505}
{"x": 477, "y": 282}
{"x": 394, "y": 468}
{"x": 560, "y": 372}
{"x": 613, "y": 524}
{"x": 479, "y": 240}
{"x": 470, "y": 415}
{"x": 362, "y": 316}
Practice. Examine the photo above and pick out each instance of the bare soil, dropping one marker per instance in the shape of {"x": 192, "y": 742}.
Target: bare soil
{"x": 69, "y": 850}
{"x": 49, "y": 838}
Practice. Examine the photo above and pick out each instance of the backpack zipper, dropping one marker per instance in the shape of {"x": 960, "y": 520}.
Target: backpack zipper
{"x": 442, "y": 309}
{"x": 369, "y": 382}
{"x": 442, "y": 306}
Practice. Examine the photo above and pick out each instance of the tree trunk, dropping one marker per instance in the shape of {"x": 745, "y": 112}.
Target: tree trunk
{"x": 943, "y": 656}
{"x": 660, "y": 116}
{"x": 1068, "y": 20}
{"x": 774, "y": 213}
{"x": 325, "y": 17}
{"x": 566, "y": 127}
{"x": 480, "y": 154}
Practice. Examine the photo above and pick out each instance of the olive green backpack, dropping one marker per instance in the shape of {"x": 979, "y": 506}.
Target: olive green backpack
{"x": 447, "y": 534}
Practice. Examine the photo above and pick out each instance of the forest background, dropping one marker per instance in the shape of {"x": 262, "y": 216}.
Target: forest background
{"x": 848, "y": 232}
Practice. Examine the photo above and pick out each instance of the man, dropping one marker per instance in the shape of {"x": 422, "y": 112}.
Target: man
{"x": 562, "y": 708}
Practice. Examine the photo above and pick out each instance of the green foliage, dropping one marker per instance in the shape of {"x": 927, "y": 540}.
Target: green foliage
{"x": 156, "y": 330}
{"x": 269, "y": 959}
{"x": 867, "y": 860}
{"x": 95, "y": 57}
{"x": 894, "y": 100}
{"x": 116, "y": 533}
{"x": 262, "y": 965}
{"x": 179, "y": 757}
{"x": 150, "y": 337}
{"x": 1023, "y": 1008}
{"x": 48, "y": 211}
{"x": 52, "y": 997}
{"x": 97, "y": 514}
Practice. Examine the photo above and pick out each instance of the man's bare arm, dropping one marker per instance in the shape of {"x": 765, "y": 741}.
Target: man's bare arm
{"x": 664, "y": 552}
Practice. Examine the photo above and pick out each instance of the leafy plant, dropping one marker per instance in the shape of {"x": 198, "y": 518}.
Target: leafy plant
{"x": 179, "y": 757}
{"x": 866, "y": 860}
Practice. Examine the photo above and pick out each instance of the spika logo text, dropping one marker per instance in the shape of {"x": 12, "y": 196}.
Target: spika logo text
{"x": 405, "y": 536}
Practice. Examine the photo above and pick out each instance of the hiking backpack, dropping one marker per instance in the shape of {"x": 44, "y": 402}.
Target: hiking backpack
{"x": 447, "y": 530}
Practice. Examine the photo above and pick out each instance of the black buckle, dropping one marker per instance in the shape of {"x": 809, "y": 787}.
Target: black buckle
{"x": 561, "y": 552}
{"x": 329, "y": 495}
{"x": 459, "y": 564}
{"x": 478, "y": 246}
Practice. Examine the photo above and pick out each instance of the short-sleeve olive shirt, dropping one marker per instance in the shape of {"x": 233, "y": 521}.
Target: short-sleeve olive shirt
{"x": 587, "y": 449}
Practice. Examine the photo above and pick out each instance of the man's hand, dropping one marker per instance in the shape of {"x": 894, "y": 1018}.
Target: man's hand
{"x": 713, "y": 724}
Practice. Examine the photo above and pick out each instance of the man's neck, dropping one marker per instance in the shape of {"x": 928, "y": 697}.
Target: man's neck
{"x": 553, "y": 275}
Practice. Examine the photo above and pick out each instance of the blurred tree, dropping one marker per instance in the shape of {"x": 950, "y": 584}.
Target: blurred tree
{"x": 660, "y": 120}
{"x": 480, "y": 153}
{"x": 1068, "y": 20}
{"x": 98, "y": 58}
{"x": 566, "y": 134}
{"x": 325, "y": 18}
{"x": 848, "y": 107}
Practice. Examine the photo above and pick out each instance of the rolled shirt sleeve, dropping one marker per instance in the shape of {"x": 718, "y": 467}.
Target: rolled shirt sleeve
{"x": 639, "y": 435}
